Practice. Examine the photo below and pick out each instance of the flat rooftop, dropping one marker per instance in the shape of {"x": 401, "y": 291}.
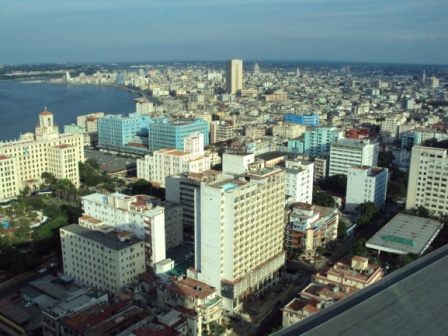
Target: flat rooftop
{"x": 405, "y": 234}
{"x": 410, "y": 301}
{"x": 109, "y": 240}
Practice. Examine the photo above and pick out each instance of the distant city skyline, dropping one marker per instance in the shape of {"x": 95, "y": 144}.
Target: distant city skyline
{"x": 411, "y": 31}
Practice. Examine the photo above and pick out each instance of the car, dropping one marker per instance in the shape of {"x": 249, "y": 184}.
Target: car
{"x": 42, "y": 270}
{"x": 53, "y": 264}
{"x": 28, "y": 304}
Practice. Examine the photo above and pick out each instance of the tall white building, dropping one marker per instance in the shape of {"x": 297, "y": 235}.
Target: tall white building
{"x": 22, "y": 162}
{"x": 234, "y": 76}
{"x": 102, "y": 258}
{"x": 366, "y": 184}
{"x": 299, "y": 177}
{"x": 427, "y": 184}
{"x": 136, "y": 214}
{"x": 239, "y": 235}
{"x": 348, "y": 152}
{"x": 165, "y": 162}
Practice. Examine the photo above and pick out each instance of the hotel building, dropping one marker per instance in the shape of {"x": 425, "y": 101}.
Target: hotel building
{"x": 22, "y": 162}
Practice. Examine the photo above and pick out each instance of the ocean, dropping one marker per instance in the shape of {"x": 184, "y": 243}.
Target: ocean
{"x": 21, "y": 103}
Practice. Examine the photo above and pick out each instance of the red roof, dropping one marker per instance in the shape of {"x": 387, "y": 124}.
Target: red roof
{"x": 44, "y": 113}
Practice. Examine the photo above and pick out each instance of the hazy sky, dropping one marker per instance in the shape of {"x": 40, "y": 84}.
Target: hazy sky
{"x": 404, "y": 31}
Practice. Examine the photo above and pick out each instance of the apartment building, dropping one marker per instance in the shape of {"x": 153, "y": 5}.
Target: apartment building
{"x": 165, "y": 162}
{"x": 299, "y": 177}
{"x": 356, "y": 273}
{"x": 157, "y": 166}
{"x": 136, "y": 214}
{"x": 366, "y": 184}
{"x": 308, "y": 227}
{"x": 221, "y": 131}
{"x": 200, "y": 304}
{"x": 391, "y": 125}
{"x": 239, "y": 245}
{"x": 316, "y": 141}
{"x": 286, "y": 130}
{"x": 22, "y": 162}
{"x": 102, "y": 258}
{"x": 427, "y": 184}
{"x": 89, "y": 121}
{"x": 320, "y": 168}
{"x": 312, "y": 299}
{"x": 348, "y": 152}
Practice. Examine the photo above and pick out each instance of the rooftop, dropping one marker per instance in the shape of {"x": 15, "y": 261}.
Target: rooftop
{"x": 389, "y": 307}
{"x": 405, "y": 234}
{"x": 109, "y": 240}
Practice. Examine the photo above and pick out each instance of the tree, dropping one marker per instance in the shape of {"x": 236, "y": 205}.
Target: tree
{"x": 385, "y": 159}
{"x": 324, "y": 199}
{"x": 49, "y": 179}
{"x": 142, "y": 187}
{"x": 342, "y": 228}
{"x": 422, "y": 212}
{"x": 336, "y": 184}
{"x": 368, "y": 211}
{"x": 64, "y": 188}
{"x": 395, "y": 190}
{"x": 359, "y": 248}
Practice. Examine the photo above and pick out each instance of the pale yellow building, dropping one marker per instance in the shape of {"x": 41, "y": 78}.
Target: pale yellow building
{"x": 102, "y": 258}
{"x": 22, "y": 162}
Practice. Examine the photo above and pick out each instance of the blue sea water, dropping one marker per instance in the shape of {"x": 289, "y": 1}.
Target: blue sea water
{"x": 21, "y": 103}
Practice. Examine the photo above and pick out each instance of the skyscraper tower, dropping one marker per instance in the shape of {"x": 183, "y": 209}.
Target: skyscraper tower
{"x": 239, "y": 245}
{"x": 256, "y": 69}
{"x": 234, "y": 76}
{"x": 424, "y": 77}
{"x": 298, "y": 72}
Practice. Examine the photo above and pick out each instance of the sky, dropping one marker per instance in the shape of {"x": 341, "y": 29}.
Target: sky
{"x": 70, "y": 31}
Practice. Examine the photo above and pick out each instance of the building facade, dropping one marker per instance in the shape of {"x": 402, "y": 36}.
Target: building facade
{"x": 366, "y": 184}
{"x": 427, "y": 184}
{"x": 239, "y": 245}
{"x": 309, "y": 227}
{"x": 136, "y": 214}
{"x": 171, "y": 134}
{"x": 348, "y": 152}
{"x": 234, "y": 76}
{"x": 299, "y": 177}
{"x": 102, "y": 258}
{"x": 302, "y": 119}
{"x": 121, "y": 133}
{"x": 22, "y": 162}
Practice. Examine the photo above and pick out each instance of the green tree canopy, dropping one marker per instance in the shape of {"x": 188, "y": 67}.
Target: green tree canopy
{"x": 336, "y": 184}
{"x": 324, "y": 199}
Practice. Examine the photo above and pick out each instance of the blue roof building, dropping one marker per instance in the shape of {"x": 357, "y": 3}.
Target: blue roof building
{"x": 120, "y": 133}
{"x": 302, "y": 119}
{"x": 164, "y": 133}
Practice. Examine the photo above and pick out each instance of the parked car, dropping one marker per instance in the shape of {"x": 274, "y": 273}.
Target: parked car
{"x": 42, "y": 270}
{"x": 53, "y": 264}
{"x": 28, "y": 304}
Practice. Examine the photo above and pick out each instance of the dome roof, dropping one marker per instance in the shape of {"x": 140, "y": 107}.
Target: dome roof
{"x": 44, "y": 113}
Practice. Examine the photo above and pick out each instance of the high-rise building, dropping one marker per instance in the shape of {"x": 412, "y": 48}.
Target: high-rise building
{"x": 256, "y": 69}
{"x": 348, "y": 152}
{"x": 171, "y": 134}
{"x": 316, "y": 141}
{"x": 234, "y": 76}
{"x": 299, "y": 180}
{"x": 427, "y": 184}
{"x": 366, "y": 184}
{"x": 124, "y": 133}
{"x": 22, "y": 162}
{"x": 239, "y": 245}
